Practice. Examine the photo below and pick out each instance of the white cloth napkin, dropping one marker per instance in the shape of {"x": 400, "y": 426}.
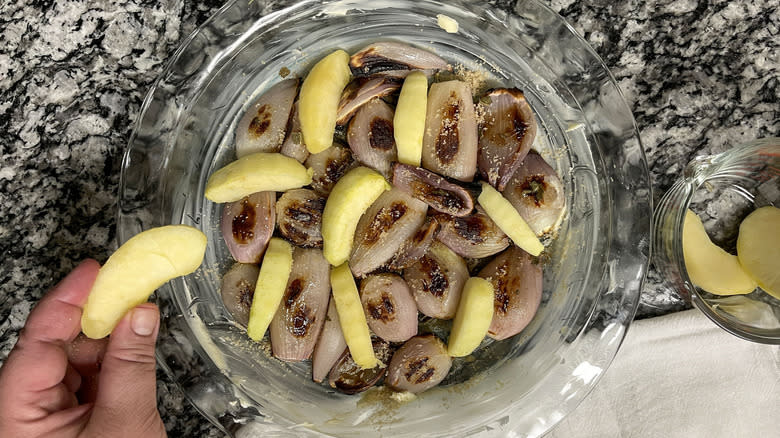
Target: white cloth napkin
{"x": 681, "y": 376}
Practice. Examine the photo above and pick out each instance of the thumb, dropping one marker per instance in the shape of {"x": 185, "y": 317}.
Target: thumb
{"x": 127, "y": 386}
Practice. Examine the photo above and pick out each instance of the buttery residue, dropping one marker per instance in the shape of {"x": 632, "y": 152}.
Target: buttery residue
{"x": 265, "y": 345}
{"x": 388, "y": 400}
{"x": 403, "y": 397}
{"x": 478, "y": 79}
{"x": 447, "y": 23}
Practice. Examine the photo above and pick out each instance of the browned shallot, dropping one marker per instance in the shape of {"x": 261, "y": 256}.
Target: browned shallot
{"x": 247, "y": 226}
{"x": 506, "y": 134}
{"x": 262, "y": 129}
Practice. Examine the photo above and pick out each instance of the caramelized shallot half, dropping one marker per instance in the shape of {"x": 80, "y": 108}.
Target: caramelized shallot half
{"x": 247, "y": 226}
{"x": 383, "y": 228}
{"x": 437, "y": 192}
{"x": 414, "y": 247}
{"x": 420, "y": 364}
{"x": 472, "y": 236}
{"x": 536, "y": 192}
{"x": 293, "y": 145}
{"x": 506, "y": 134}
{"x": 394, "y": 59}
{"x": 263, "y": 126}
{"x": 360, "y": 92}
{"x": 347, "y": 376}
{"x": 517, "y": 282}
{"x": 450, "y": 140}
{"x": 299, "y": 215}
{"x": 297, "y": 323}
{"x": 238, "y": 288}
{"x": 330, "y": 346}
{"x": 370, "y": 136}
{"x": 437, "y": 280}
{"x": 328, "y": 167}
{"x": 389, "y": 307}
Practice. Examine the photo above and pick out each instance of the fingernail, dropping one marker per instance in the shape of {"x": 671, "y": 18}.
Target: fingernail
{"x": 144, "y": 321}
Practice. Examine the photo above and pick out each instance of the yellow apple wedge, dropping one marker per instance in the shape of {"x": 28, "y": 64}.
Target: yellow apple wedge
{"x": 271, "y": 284}
{"x": 351, "y": 317}
{"x": 319, "y": 100}
{"x": 135, "y": 270}
{"x": 409, "y": 119}
{"x": 472, "y": 320}
{"x": 258, "y": 172}
{"x": 349, "y": 199}
{"x": 758, "y": 248}
{"x": 709, "y": 266}
{"x": 509, "y": 220}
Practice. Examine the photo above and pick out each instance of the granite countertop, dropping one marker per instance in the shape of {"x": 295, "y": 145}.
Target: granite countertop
{"x": 700, "y": 76}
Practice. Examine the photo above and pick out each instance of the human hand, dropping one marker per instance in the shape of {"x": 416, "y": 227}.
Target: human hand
{"x": 57, "y": 383}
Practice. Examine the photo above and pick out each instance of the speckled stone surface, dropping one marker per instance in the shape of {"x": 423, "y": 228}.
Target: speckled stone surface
{"x": 700, "y": 76}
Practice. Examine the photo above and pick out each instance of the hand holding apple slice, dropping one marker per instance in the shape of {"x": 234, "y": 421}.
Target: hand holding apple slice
{"x": 132, "y": 273}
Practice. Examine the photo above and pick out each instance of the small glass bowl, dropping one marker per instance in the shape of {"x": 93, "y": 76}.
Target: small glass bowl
{"x": 521, "y": 386}
{"x": 722, "y": 189}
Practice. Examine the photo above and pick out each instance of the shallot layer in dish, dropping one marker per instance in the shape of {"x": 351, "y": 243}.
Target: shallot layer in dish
{"x": 409, "y": 236}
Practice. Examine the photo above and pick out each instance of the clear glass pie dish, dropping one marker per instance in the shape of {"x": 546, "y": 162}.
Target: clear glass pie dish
{"x": 520, "y": 386}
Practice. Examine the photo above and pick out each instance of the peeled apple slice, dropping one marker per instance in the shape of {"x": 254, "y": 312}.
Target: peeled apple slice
{"x": 271, "y": 284}
{"x": 258, "y": 172}
{"x": 409, "y": 119}
{"x": 351, "y": 317}
{"x": 319, "y": 100}
{"x": 758, "y": 248}
{"x": 709, "y": 266}
{"x": 349, "y": 199}
{"x": 136, "y": 270}
{"x": 475, "y": 312}
{"x": 509, "y": 220}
